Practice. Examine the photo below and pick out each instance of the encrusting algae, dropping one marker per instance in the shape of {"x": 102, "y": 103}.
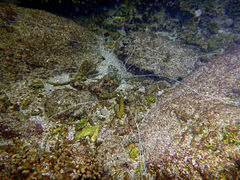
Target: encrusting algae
{"x": 67, "y": 112}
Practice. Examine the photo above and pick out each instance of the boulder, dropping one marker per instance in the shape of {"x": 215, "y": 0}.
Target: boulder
{"x": 194, "y": 129}
{"x": 146, "y": 53}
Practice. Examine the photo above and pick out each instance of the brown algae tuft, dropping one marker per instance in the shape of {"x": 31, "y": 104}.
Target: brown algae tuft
{"x": 119, "y": 108}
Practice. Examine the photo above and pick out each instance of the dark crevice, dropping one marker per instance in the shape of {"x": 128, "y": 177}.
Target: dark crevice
{"x": 149, "y": 74}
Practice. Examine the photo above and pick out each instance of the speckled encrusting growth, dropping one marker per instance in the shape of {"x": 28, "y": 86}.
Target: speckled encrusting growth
{"x": 193, "y": 131}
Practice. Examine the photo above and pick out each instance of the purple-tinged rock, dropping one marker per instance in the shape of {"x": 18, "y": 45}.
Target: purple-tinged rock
{"x": 194, "y": 129}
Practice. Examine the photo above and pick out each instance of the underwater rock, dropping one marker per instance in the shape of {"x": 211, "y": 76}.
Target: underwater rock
{"x": 194, "y": 129}
{"x": 152, "y": 53}
{"x": 105, "y": 87}
{"x": 68, "y": 104}
{"x": 40, "y": 43}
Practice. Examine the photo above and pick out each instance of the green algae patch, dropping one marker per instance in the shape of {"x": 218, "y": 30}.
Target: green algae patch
{"x": 56, "y": 130}
{"x": 91, "y": 131}
{"x": 134, "y": 153}
{"x": 80, "y": 125}
{"x": 150, "y": 98}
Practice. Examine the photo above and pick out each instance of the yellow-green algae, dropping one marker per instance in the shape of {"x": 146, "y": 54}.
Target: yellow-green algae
{"x": 91, "y": 131}
{"x": 120, "y": 111}
{"x": 134, "y": 153}
{"x": 57, "y": 130}
{"x": 150, "y": 98}
{"x": 80, "y": 125}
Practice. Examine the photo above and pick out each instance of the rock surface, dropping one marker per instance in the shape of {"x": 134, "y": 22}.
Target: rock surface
{"x": 66, "y": 103}
{"x": 193, "y": 131}
{"x": 37, "y": 42}
{"x": 187, "y": 135}
{"x": 153, "y": 53}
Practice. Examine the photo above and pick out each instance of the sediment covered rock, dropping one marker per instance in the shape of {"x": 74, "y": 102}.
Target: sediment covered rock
{"x": 153, "y": 53}
{"x": 37, "y": 42}
{"x": 193, "y": 131}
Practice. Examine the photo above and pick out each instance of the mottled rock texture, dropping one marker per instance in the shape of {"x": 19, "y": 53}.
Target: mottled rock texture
{"x": 194, "y": 133}
{"x": 37, "y": 42}
{"x": 65, "y": 104}
{"x": 146, "y": 52}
